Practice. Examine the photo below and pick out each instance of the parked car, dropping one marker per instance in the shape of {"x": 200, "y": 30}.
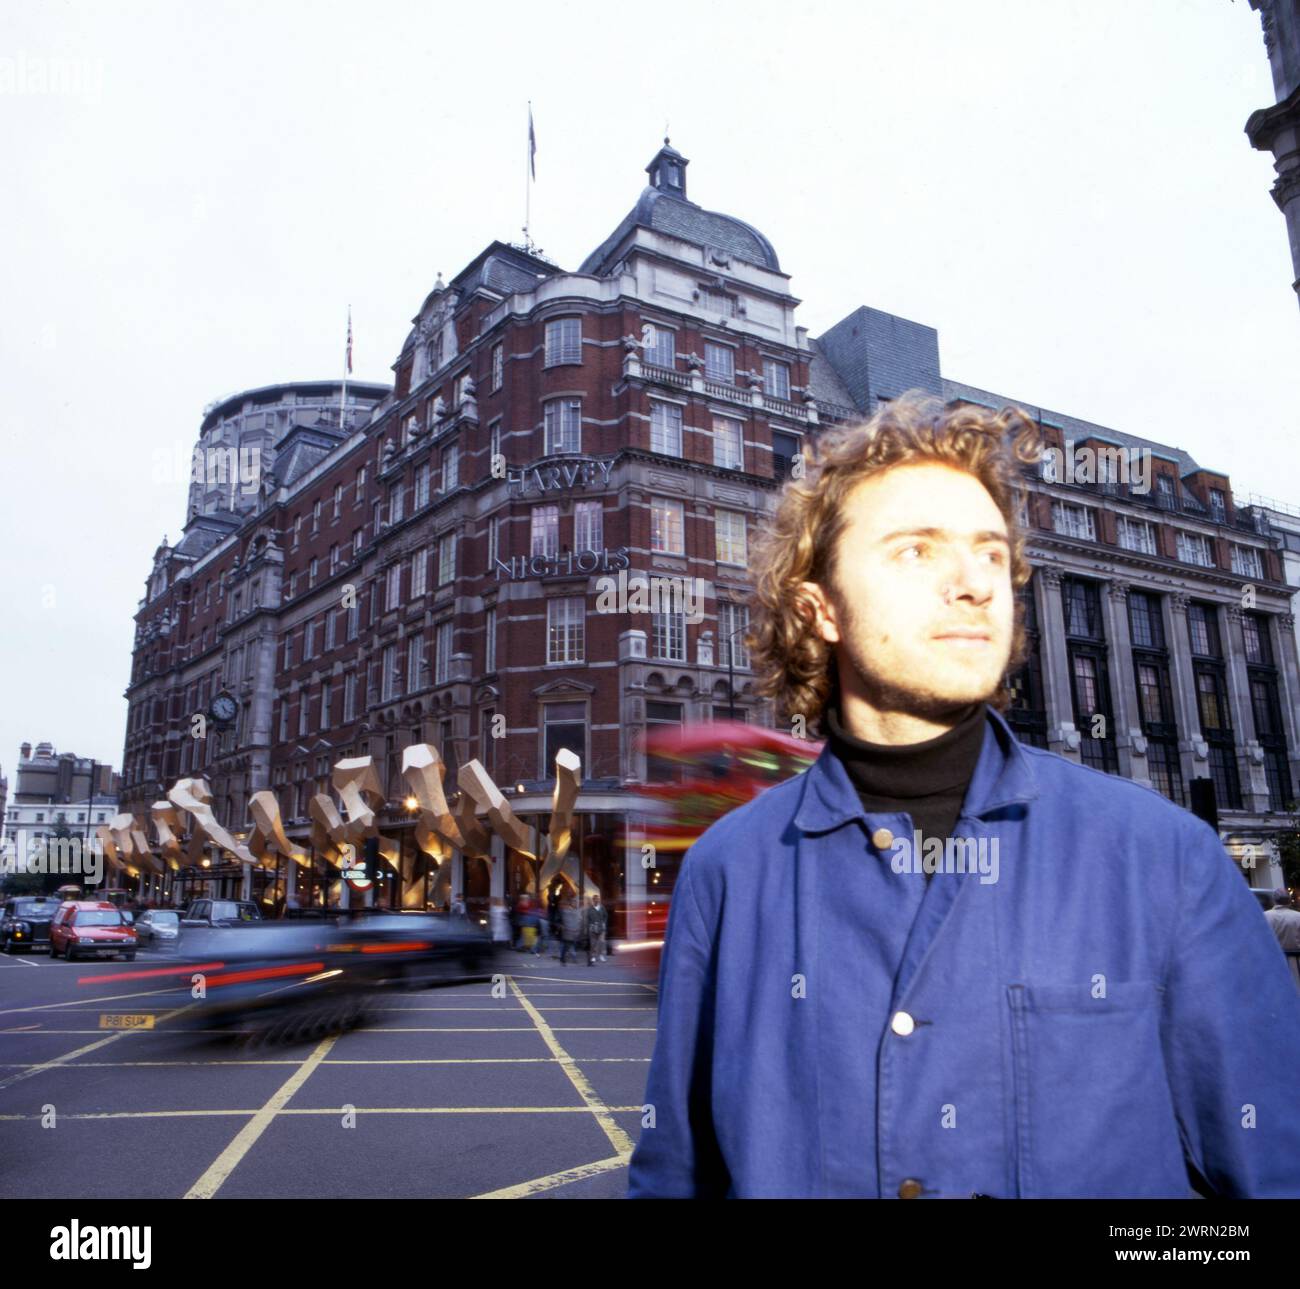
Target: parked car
{"x": 91, "y": 929}
{"x": 158, "y": 928}
{"x": 26, "y": 922}
{"x": 207, "y": 912}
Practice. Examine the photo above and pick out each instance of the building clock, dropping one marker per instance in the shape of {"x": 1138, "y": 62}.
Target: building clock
{"x": 223, "y": 709}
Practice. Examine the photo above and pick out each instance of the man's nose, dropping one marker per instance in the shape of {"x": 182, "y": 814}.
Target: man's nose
{"x": 970, "y": 578}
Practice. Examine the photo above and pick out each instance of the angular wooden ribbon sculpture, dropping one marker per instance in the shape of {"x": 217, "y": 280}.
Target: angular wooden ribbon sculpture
{"x": 268, "y": 839}
{"x": 191, "y": 797}
{"x": 338, "y": 837}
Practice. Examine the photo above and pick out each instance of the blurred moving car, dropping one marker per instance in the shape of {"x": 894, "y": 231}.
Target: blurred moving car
{"x": 26, "y": 922}
{"x": 91, "y": 929}
{"x": 420, "y": 948}
{"x": 298, "y": 979}
{"x": 158, "y": 928}
{"x": 221, "y": 913}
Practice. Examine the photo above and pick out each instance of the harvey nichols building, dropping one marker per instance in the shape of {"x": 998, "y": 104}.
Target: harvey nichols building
{"x": 383, "y": 584}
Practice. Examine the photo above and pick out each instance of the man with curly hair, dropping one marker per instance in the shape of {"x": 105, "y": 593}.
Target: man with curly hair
{"x": 940, "y": 962}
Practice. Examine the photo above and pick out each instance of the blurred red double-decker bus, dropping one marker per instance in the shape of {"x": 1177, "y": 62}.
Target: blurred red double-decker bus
{"x": 696, "y": 774}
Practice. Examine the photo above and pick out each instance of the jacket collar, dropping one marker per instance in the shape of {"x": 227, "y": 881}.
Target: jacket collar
{"x": 1003, "y": 775}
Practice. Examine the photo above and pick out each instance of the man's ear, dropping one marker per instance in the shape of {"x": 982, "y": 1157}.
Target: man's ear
{"x": 815, "y": 606}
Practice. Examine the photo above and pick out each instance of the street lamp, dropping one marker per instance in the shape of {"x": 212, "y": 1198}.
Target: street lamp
{"x": 729, "y": 637}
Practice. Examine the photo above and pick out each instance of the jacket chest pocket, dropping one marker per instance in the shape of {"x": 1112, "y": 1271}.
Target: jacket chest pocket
{"x": 1094, "y": 1115}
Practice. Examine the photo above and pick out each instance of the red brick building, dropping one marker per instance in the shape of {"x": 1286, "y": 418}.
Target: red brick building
{"x": 441, "y": 567}
{"x": 459, "y": 562}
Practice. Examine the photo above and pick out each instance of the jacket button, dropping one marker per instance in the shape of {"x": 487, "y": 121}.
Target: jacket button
{"x": 882, "y": 839}
{"x": 909, "y": 1189}
{"x": 902, "y": 1023}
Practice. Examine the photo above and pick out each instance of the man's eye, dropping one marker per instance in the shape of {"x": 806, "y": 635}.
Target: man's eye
{"x": 999, "y": 556}
{"x": 919, "y": 547}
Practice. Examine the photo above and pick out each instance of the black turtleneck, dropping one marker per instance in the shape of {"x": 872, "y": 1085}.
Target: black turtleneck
{"x": 927, "y": 781}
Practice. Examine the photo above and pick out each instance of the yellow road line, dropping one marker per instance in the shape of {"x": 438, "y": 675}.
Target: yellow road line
{"x": 58, "y": 1060}
{"x": 490, "y": 1029}
{"x": 133, "y": 1114}
{"x": 415, "y": 1060}
{"x": 572, "y": 993}
{"x": 331, "y": 1111}
{"x": 211, "y": 1181}
{"x": 550, "y": 1182}
{"x": 93, "y": 1002}
{"x": 626, "y": 1007}
{"x": 81, "y": 1051}
{"x": 619, "y": 1139}
{"x": 365, "y": 1029}
{"x": 590, "y": 984}
{"x": 29, "y": 1033}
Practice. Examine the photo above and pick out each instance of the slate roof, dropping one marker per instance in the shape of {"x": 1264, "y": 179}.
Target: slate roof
{"x": 302, "y": 449}
{"x": 1074, "y": 428}
{"x": 823, "y": 380}
{"x": 667, "y": 213}
{"x": 203, "y": 532}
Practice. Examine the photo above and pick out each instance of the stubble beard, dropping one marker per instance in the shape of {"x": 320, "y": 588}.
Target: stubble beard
{"x": 918, "y": 698}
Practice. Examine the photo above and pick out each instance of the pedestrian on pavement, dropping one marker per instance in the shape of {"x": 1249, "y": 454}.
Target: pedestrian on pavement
{"x": 499, "y": 920}
{"x": 540, "y": 922}
{"x": 553, "y": 911}
{"x": 596, "y": 922}
{"x": 570, "y": 928}
{"x": 458, "y": 905}
{"x": 943, "y": 962}
{"x": 519, "y": 919}
{"x": 1284, "y": 918}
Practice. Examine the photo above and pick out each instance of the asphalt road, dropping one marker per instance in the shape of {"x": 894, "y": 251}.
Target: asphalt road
{"x": 533, "y": 1089}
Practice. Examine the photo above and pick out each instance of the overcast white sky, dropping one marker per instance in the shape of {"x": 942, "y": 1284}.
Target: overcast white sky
{"x": 1063, "y": 189}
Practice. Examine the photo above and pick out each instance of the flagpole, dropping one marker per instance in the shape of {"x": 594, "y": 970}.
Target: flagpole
{"x": 347, "y": 367}
{"x": 528, "y": 181}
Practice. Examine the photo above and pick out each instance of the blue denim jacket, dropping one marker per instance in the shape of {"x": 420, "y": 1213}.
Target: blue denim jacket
{"x": 1110, "y": 1009}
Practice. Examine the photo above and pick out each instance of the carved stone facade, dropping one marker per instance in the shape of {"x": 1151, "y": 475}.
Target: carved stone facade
{"x": 1277, "y": 129}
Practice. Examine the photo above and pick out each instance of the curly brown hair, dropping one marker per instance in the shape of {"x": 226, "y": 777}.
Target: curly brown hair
{"x": 800, "y": 541}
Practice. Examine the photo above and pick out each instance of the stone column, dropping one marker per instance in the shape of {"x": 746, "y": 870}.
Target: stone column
{"x": 1277, "y": 129}
{"x": 457, "y": 863}
{"x": 1062, "y": 736}
{"x": 1249, "y": 754}
{"x": 1130, "y": 743}
{"x": 637, "y": 876}
{"x": 498, "y": 884}
{"x": 1288, "y": 670}
{"x": 1289, "y": 697}
{"x": 1193, "y": 751}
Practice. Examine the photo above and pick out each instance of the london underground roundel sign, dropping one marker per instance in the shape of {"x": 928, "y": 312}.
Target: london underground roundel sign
{"x": 354, "y": 872}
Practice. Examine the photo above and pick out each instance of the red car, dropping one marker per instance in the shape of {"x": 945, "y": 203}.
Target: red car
{"x": 92, "y": 929}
